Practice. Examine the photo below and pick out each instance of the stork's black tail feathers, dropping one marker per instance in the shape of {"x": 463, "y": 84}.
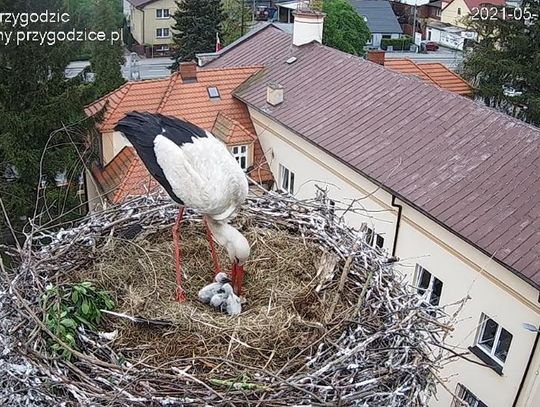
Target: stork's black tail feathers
{"x": 142, "y": 128}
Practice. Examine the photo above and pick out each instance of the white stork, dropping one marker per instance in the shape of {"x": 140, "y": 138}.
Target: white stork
{"x": 197, "y": 171}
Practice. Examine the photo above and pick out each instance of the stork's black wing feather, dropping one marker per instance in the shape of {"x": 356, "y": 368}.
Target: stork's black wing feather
{"x": 142, "y": 128}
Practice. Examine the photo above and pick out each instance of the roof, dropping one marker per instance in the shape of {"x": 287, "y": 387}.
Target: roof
{"x": 379, "y": 14}
{"x": 435, "y": 73}
{"x": 476, "y": 3}
{"x": 471, "y": 169}
{"x": 188, "y": 101}
{"x": 125, "y": 176}
{"x": 140, "y": 3}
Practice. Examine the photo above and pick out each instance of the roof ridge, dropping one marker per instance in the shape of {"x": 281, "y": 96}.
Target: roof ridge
{"x": 425, "y": 73}
{"x": 172, "y": 82}
{"x": 231, "y": 68}
{"x": 107, "y": 95}
{"x": 109, "y": 113}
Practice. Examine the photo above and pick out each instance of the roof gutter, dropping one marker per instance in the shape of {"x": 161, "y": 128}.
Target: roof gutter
{"x": 527, "y": 369}
{"x": 398, "y": 223}
{"x": 392, "y": 192}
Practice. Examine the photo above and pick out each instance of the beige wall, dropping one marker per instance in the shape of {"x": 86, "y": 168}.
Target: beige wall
{"x": 144, "y": 22}
{"x": 112, "y": 144}
{"x": 464, "y": 270}
{"x": 450, "y": 13}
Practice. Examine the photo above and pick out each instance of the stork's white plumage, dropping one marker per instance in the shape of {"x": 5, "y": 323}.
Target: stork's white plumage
{"x": 197, "y": 171}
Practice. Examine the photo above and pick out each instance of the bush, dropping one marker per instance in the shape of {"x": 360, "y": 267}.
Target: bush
{"x": 398, "y": 44}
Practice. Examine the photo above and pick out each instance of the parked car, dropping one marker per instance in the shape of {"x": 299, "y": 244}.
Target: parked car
{"x": 429, "y": 46}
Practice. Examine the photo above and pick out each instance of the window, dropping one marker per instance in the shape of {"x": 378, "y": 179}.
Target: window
{"x": 428, "y": 285}
{"x": 387, "y": 36}
{"x": 459, "y": 11}
{"x": 162, "y": 13}
{"x": 374, "y": 239}
{"x": 286, "y": 177}
{"x": 438, "y": 12}
{"x": 332, "y": 207}
{"x": 162, "y": 33}
{"x": 213, "y": 92}
{"x": 493, "y": 339}
{"x": 465, "y": 398}
{"x": 241, "y": 155}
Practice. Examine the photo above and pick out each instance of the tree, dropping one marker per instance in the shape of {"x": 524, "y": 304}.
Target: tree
{"x": 35, "y": 102}
{"x": 197, "y": 22}
{"x": 506, "y": 61}
{"x": 238, "y": 16}
{"x": 107, "y": 58}
{"x": 344, "y": 28}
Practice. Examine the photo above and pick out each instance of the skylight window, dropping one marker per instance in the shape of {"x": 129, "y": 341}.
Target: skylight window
{"x": 213, "y": 92}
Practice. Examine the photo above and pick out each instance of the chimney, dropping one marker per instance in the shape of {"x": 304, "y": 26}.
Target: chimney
{"x": 188, "y": 71}
{"x": 376, "y": 55}
{"x": 274, "y": 94}
{"x": 307, "y": 27}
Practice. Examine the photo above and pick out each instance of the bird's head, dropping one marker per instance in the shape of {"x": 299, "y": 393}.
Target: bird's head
{"x": 231, "y": 239}
{"x": 222, "y": 278}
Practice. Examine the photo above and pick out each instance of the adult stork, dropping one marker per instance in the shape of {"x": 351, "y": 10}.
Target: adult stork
{"x": 197, "y": 171}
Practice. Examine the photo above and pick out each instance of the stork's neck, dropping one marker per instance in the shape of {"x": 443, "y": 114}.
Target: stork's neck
{"x": 231, "y": 239}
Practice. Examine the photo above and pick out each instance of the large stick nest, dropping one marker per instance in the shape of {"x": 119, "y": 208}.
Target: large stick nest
{"x": 327, "y": 319}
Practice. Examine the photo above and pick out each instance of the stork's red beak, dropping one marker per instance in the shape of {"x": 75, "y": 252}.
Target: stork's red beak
{"x": 237, "y": 276}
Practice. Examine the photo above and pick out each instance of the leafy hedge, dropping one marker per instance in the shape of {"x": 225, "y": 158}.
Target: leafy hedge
{"x": 403, "y": 43}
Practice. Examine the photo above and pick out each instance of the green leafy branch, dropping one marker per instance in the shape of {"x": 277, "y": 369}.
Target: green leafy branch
{"x": 67, "y": 308}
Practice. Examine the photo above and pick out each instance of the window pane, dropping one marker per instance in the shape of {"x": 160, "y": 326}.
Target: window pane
{"x": 166, "y": 12}
{"x": 504, "y": 344}
{"x": 369, "y": 236}
{"x": 436, "y": 290}
{"x": 243, "y": 162}
{"x": 235, "y": 150}
{"x": 243, "y": 149}
{"x": 158, "y": 13}
{"x": 424, "y": 279}
{"x": 285, "y": 179}
{"x": 291, "y": 190}
{"x": 380, "y": 241}
{"x": 488, "y": 334}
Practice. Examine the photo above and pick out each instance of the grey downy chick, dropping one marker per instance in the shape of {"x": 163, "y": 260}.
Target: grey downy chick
{"x": 226, "y": 300}
{"x": 208, "y": 291}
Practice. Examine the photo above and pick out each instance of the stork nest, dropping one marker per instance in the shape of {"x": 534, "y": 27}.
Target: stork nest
{"x": 282, "y": 312}
{"x": 327, "y": 319}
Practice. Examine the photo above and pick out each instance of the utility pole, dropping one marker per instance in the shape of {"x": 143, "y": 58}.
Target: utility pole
{"x": 241, "y": 17}
{"x": 414, "y": 24}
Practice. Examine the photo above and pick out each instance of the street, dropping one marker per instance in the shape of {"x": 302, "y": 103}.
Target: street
{"x": 144, "y": 68}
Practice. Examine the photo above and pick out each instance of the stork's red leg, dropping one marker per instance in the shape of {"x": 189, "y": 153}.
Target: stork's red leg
{"x": 180, "y": 294}
{"x": 217, "y": 268}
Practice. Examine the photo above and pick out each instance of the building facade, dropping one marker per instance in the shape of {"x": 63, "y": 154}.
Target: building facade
{"x": 150, "y": 23}
{"x": 355, "y": 130}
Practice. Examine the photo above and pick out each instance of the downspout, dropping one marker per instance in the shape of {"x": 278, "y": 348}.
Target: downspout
{"x": 529, "y": 363}
{"x": 143, "y": 28}
{"x": 398, "y": 222}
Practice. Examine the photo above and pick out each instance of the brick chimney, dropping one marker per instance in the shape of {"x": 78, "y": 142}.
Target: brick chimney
{"x": 376, "y": 55}
{"x": 188, "y": 71}
{"x": 307, "y": 27}
{"x": 274, "y": 94}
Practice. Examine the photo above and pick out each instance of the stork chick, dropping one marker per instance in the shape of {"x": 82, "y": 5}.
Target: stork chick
{"x": 226, "y": 300}
{"x": 208, "y": 291}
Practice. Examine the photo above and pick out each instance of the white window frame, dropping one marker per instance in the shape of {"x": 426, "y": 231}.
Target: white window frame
{"x": 162, "y": 14}
{"x": 491, "y": 352}
{"x": 286, "y": 174}
{"x": 162, "y": 31}
{"x": 424, "y": 292}
{"x": 238, "y": 154}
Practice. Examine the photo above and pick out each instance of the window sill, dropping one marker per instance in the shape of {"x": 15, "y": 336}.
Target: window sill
{"x": 488, "y": 360}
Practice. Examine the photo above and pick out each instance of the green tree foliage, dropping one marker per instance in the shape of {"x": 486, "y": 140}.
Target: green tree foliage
{"x": 507, "y": 56}
{"x": 344, "y": 28}
{"x": 35, "y": 102}
{"x": 107, "y": 58}
{"x": 238, "y": 17}
{"x": 197, "y": 22}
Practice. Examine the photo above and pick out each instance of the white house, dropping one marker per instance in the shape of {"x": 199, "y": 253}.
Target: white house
{"x": 448, "y": 185}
